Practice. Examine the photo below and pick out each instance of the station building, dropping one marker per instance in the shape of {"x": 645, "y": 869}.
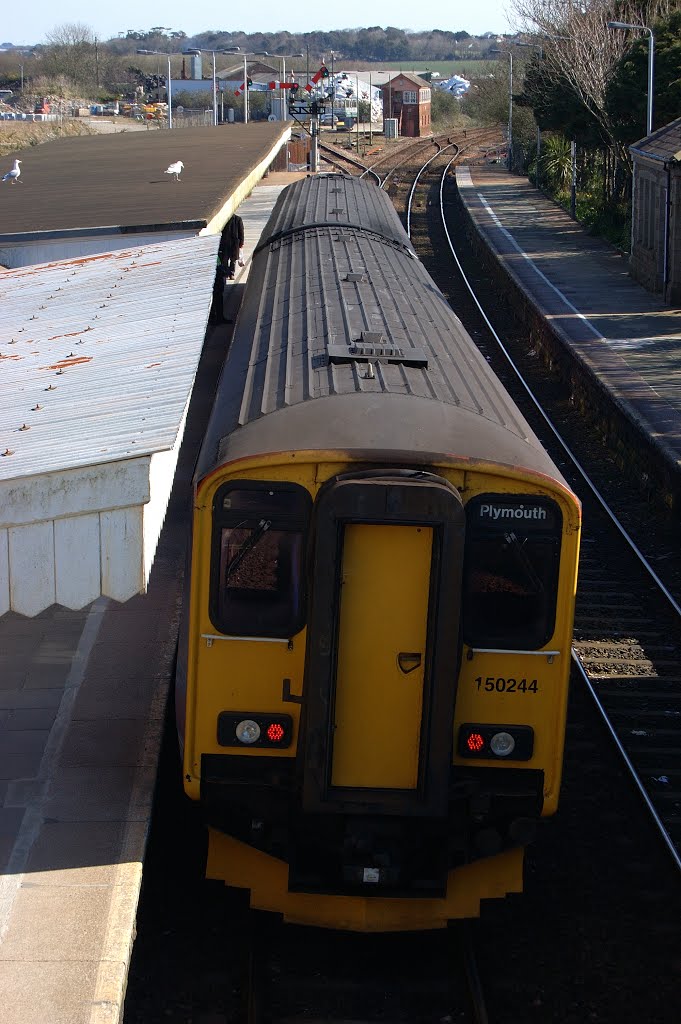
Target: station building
{"x": 656, "y": 212}
{"x": 406, "y": 97}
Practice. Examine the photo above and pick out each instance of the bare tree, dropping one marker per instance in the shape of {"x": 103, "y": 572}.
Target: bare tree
{"x": 579, "y": 48}
{"x": 72, "y": 50}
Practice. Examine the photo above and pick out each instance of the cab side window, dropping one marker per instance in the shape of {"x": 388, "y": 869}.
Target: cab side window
{"x": 257, "y": 571}
{"x": 510, "y": 575}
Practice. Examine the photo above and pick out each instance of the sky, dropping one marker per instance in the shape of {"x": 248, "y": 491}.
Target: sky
{"x": 26, "y": 24}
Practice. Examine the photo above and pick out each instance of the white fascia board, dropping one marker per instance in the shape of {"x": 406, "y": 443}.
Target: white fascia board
{"x": 161, "y": 478}
{"x": 69, "y": 537}
{"x": 71, "y": 492}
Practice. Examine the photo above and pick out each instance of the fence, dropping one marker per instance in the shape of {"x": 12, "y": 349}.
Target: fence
{"x": 185, "y": 117}
{"x": 294, "y": 156}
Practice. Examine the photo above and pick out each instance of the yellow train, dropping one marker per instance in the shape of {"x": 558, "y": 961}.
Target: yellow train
{"x": 374, "y": 659}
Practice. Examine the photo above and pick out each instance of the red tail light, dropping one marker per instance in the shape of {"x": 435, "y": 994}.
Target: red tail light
{"x": 496, "y": 742}
{"x": 253, "y": 729}
{"x": 275, "y": 732}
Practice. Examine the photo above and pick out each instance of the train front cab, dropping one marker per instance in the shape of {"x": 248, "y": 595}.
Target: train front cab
{"x": 377, "y": 685}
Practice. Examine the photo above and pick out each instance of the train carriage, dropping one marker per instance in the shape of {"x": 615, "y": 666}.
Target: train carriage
{"x": 375, "y": 652}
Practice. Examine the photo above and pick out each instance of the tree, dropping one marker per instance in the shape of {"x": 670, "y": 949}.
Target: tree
{"x": 72, "y": 50}
{"x": 556, "y": 106}
{"x": 627, "y": 90}
{"x": 581, "y": 51}
{"x": 445, "y": 109}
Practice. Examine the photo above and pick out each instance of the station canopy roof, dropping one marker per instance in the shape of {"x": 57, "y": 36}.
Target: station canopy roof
{"x": 97, "y": 361}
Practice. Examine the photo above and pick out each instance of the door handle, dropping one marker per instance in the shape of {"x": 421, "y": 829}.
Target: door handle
{"x": 408, "y": 661}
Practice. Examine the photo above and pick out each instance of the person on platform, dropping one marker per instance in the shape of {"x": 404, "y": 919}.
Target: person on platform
{"x": 232, "y": 246}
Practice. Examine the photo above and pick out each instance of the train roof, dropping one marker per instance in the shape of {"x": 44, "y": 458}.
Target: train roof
{"x": 336, "y": 201}
{"x": 344, "y": 342}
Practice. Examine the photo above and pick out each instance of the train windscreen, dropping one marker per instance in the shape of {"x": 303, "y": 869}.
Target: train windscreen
{"x": 510, "y": 571}
{"x": 257, "y": 564}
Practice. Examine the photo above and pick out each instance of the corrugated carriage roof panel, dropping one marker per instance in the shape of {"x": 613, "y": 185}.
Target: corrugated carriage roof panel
{"x": 344, "y": 341}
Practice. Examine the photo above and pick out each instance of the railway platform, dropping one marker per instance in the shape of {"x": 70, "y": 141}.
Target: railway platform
{"x": 619, "y": 336}
{"x": 82, "y": 701}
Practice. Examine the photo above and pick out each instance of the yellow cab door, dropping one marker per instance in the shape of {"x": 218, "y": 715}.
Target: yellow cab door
{"x": 383, "y": 644}
{"x": 381, "y": 655}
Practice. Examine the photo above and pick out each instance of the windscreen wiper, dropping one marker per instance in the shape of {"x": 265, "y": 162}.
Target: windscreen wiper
{"x": 521, "y": 555}
{"x": 247, "y": 546}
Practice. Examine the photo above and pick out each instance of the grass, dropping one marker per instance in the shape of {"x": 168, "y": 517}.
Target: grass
{"x": 17, "y": 135}
{"x": 446, "y": 68}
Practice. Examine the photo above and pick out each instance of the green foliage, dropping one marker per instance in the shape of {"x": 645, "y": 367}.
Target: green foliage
{"x": 199, "y": 100}
{"x": 556, "y": 107}
{"x": 364, "y": 111}
{"x": 556, "y": 162}
{"x": 445, "y": 109}
{"x": 602, "y": 211}
{"x": 607, "y": 220}
{"x": 487, "y": 99}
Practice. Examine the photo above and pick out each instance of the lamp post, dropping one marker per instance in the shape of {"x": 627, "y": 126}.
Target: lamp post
{"x": 371, "y": 113}
{"x": 197, "y": 51}
{"x": 169, "y": 85}
{"x": 21, "y": 69}
{"x": 333, "y": 93}
{"x": 651, "y": 57}
{"x": 283, "y": 57}
{"x": 236, "y": 51}
{"x": 510, "y": 105}
{"x": 540, "y": 51}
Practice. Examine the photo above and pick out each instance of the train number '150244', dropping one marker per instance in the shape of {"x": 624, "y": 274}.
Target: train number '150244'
{"x": 498, "y": 684}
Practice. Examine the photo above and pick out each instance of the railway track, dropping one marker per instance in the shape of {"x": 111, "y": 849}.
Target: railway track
{"x": 385, "y": 167}
{"x": 301, "y": 976}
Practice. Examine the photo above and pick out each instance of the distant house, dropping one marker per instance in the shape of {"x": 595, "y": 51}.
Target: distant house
{"x": 656, "y": 212}
{"x": 407, "y": 98}
{"x": 259, "y": 73}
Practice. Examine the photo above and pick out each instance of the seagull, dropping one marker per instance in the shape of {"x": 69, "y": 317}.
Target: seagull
{"x": 13, "y": 175}
{"x": 175, "y": 169}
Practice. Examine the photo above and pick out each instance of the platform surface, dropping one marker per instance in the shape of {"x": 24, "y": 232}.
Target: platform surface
{"x": 625, "y": 334}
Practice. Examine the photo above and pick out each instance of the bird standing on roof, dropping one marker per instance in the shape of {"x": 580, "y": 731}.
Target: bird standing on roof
{"x": 175, "y": 169}
{"x": 13, "y": 175}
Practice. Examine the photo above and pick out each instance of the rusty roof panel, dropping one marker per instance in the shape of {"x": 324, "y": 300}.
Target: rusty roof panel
{"x": 98, "y": 354}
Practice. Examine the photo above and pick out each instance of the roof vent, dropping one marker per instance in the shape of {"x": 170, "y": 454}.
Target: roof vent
{"x": 361, "y": 353}
{"x": 352, "y": 276}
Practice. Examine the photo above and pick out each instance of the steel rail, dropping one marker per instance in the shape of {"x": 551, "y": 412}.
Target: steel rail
{"x": 420, "y": 172}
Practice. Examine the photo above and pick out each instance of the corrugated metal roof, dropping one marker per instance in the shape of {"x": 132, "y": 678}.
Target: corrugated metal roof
{"x": 98, "y": 354}
{"x": 317, "y": 293}
{"x": 335, "y": 199}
